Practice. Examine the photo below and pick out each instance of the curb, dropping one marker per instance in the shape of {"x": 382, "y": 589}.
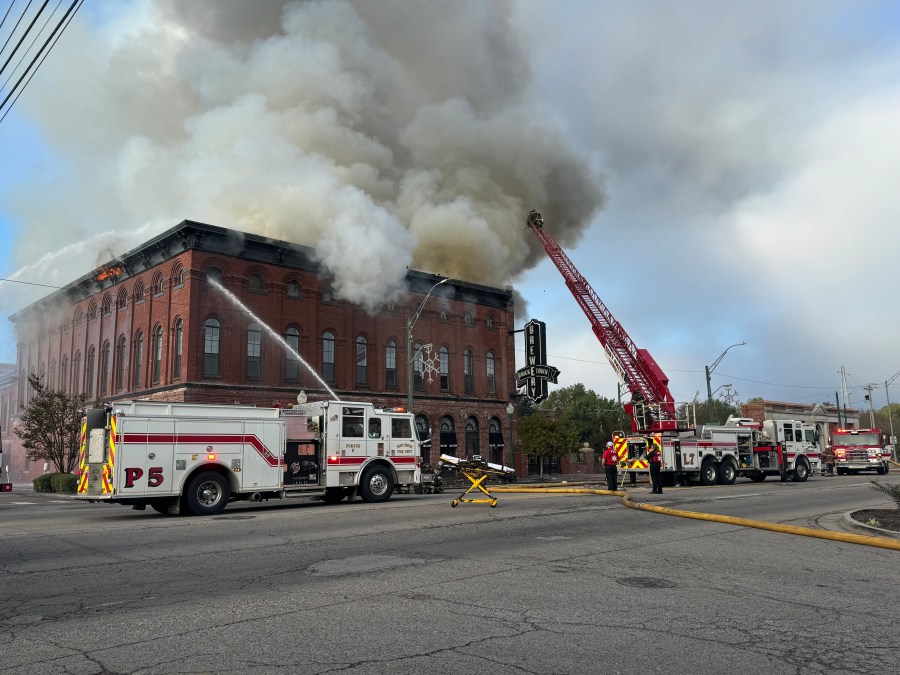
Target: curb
{"x": 850, "y": 522}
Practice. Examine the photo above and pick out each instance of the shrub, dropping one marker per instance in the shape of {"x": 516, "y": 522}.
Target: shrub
{"x": 64, "y": 482}
{"x": 892, "y": 490}
{"x": 43, "y": 483}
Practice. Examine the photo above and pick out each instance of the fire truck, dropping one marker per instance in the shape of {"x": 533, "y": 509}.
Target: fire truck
{"x": 196, "y": 458}
{"x": 714, "y": 454}
{"x": 861, "y": 450}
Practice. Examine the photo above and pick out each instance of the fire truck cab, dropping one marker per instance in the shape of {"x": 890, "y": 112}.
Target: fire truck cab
{"x": 198, "y": 457}
{"x": 861, "y": 450}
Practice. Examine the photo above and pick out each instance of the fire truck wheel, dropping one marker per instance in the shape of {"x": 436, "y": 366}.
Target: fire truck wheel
{"x": 207, "y": 494}
{"x": 880, "y": 471}
{"x": 758, "y": 477}
{"x": 801, "y": 471}
{"x": 727, "y": 472}
{"x": 377, "y": 485}
{"x": 709, "y": 473}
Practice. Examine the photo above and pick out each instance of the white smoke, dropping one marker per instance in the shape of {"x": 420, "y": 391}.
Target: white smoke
{"x": 385, "y": 135}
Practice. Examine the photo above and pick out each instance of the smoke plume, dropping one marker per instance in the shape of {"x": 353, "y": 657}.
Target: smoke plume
{"x": 385, "y": 135}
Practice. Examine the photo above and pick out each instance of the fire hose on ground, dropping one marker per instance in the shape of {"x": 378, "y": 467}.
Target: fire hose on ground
{"x": 846, "y": 537}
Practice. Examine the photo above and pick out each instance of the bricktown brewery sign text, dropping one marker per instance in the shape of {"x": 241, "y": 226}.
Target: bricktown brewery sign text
{"x": 537, "y": 373}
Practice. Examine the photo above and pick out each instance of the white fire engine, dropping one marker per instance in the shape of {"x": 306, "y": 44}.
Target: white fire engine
{"x": 197, "y": 457}
{"x": 719, "y": 454}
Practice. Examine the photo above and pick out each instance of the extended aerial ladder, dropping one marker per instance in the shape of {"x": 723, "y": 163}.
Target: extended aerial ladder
{"x": 652, "y": 407}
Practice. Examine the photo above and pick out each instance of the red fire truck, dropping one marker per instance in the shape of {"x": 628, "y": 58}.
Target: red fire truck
{"x": 861, "y": 450}
{"x": 712, "y": 454}
{"x": 178, "y": 457}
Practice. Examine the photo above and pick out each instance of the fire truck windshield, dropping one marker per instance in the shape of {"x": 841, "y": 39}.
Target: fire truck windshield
{"x": 860, "y": 439}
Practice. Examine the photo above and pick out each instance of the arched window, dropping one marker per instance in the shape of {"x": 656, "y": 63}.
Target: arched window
{"x": 179, "y": 342}
{"x": 214, "y": 274}
{"x": 159, "y": 283}
{"x": 79, "y": 317}
{"x": 423, "y": 431}
{"x": 473, "y": 439}
{"x": 291, "y": 362}
{"x": 495, "y": 440}
{"x": 293, "y": 290}
{"x": 444, "y": 367}
{"x": 390, "y": 365}
{"x": 92, "y": 311}
{"x": 106, "y": 307}
{"x": 254, "y": 351}
{"x": 120, "y": 363}
{"x": 76, "y": 373}
{"x": 328, "y": 357}
{"x": 362, "y": 362}
{"x": 139, "y": 291}
{"x": 178, "y": 276}
{"x": 64, "y": 373}
{"x": 157, "y": 354}
{"x": 468, "y": 371}
{"x": 89, "y": 372}
{"x": 418, "y": 366}
{"x": 104, "y": 368}
{"x": 491, "y": 375}
{"x": 256, "y": 284}
{"x": 138, "y": 359}
{"x": 211, "y": 347}
{"x": 122, "y": 299}
{"x": 448, "y": 436}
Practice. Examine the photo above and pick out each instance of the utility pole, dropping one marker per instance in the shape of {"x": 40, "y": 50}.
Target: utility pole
{"x": 887, "y": 383}
{"x": 869, "y": 388}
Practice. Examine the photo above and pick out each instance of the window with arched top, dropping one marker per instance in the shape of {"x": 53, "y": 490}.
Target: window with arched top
{"x": 293, "y": 290}
{"x": 491, "y": 373}
{"x": 255, "y": 283}
{"x": 138, "y": 360}
{"x": 473, "y": 437}
{"x": 390, "y": 365}
{"x": 448, "y": 436}
{"x": 89, "y": 365}
{"x": 214, "y": 274}
{"x": 139, "y": 291}
{"x": 292, "y": 361}
{"x": 328, "y": 373}
{"x": 419, "y": 366}
{"x": 178, "y": 276}
{"x": 106, "y": 305}
{"x": 104, "y": 368}
{"x": 177, "y": 350}
{"x": 92, "y": 311}
{"x": 444, "y": 367}
{"x": 159, "y": 283}
{"x": 362, "y": 362}
{"x": 78, "y": 319}
{"x": 122, "y": 299}
{"x": 254, "y": 351}
{"x": 211, "y": 347}
{"x": 156, "y": 367}
{"x": 469, "y": 371}
{"x": 120, "y": 363}
{"x": 76, "y": 373}
{"x": 64, "y": 374}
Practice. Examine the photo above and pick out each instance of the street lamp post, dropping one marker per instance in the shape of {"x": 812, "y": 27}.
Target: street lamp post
{"x": 510, "y": 409}
{"x": 409, "y": 353}
{"x": 890, "y": 416}
{"x": 710, "y": 369}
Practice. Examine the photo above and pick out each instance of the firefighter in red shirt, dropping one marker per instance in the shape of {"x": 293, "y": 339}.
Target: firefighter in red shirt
{"x": 610, "y": 461}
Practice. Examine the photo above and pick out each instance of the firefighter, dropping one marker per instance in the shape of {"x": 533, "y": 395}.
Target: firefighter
{"x": 655, "y": 461}
{"x": 828, "y": 468}
{"x": 610, "y": 460}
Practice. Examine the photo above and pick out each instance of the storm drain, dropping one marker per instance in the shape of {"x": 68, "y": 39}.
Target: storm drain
{"x": 646, "y": 582}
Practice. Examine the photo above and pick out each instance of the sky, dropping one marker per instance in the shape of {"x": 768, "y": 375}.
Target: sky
{"x": 718, "y": 172}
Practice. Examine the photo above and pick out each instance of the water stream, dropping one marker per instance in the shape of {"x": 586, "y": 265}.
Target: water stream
{"x": 275, "y": 336}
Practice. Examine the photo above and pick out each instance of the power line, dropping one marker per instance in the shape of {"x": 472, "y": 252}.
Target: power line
{"x": 29, "y": 283}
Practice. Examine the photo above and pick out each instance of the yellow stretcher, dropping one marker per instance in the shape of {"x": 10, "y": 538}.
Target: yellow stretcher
{"x": 476, "y": 472}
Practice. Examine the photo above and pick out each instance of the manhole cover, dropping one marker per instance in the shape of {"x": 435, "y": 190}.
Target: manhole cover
{"x": 646, "y": 582}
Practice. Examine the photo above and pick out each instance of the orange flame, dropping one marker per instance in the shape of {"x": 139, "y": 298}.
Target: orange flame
{"x": 104, "y": 272}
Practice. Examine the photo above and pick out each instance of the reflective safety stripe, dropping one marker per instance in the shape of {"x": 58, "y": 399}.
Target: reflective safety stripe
{"x": 82, "y": 465}
{"x": 109, "y": 467}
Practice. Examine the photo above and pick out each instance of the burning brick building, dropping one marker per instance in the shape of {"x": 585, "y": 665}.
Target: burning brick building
{"x": 150, "y": 326}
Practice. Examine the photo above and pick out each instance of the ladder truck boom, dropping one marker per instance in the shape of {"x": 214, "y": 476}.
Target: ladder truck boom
{"x": 645, "y": 379}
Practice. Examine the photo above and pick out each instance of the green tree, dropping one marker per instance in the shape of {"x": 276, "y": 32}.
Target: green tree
{"x": 541, "y": 436}
{"x": 50, "y": 426}
{"x": 592, "y": 417}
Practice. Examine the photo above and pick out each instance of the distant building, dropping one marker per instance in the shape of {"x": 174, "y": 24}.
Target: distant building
{"x": 149, "y": 326}
{"x": 824, "y": 416}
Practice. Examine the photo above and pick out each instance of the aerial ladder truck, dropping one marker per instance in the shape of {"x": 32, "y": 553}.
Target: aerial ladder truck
{"x": 715, "y": 454}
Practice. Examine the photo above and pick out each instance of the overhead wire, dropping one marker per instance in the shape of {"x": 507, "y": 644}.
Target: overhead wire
{"x": 24, "y": 35}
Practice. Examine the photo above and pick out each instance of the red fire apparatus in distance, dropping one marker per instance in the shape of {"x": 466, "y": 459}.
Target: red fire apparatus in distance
{"x": 861, "y": 450}
{"x": 178, "y": 457}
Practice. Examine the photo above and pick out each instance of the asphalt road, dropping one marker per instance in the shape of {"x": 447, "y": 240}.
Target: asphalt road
{"x": 541, "y": 584}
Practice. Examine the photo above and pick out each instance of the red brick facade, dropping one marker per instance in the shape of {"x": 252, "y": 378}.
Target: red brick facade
{"x": 116, "y": 338}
